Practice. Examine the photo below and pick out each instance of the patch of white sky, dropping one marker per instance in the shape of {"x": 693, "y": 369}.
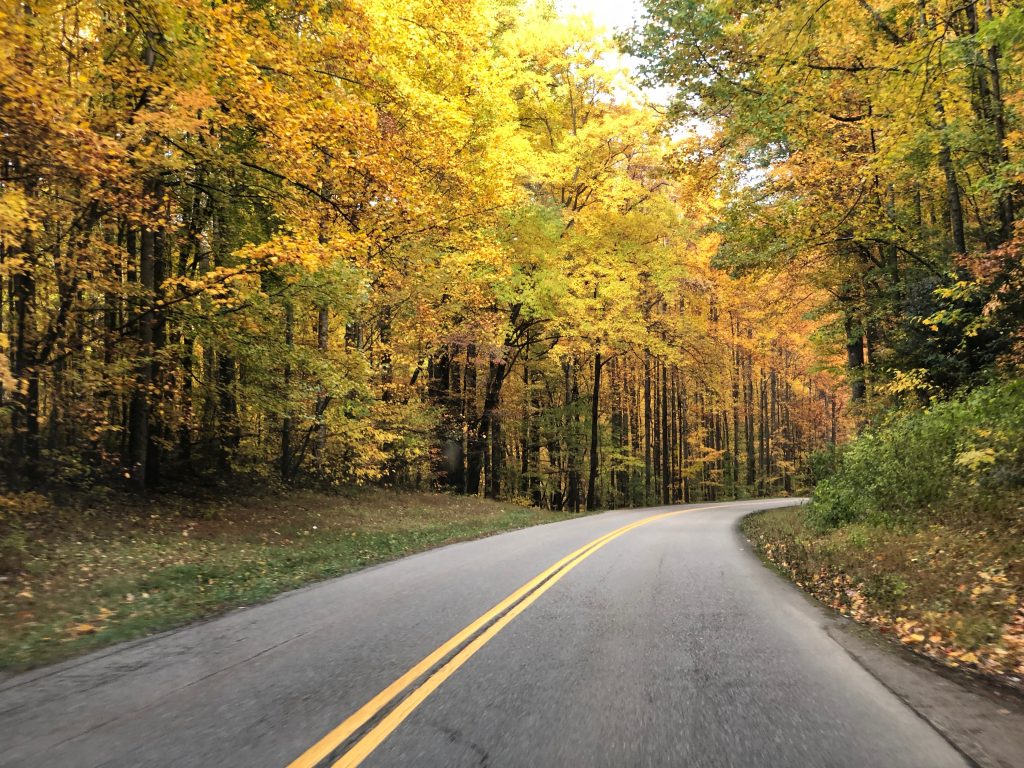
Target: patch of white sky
{"x": 615, "y": 16}
{"x": 619, "y": 16}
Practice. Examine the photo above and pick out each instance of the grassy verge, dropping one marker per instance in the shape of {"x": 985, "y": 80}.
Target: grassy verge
{"x": 73, "y": 579}
{"x": 952, "y": 592}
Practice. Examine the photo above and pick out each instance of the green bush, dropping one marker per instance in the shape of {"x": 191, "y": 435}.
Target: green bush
{"x": 958, "y": 454}
{"x": 820, "y": 466}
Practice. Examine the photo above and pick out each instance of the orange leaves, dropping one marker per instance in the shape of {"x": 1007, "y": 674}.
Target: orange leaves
{"x": 94, "y": 625}
{"x": 1013, "y": 639}
{"x": 935, "y": 590}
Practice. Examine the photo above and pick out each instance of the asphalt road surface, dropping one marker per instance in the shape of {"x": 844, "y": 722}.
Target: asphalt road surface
{"x": 664, "y": 644}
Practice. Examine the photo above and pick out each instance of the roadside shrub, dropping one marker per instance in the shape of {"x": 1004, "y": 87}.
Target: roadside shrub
{"x": 964, "y": 453}
{"x": 821, "y": 465}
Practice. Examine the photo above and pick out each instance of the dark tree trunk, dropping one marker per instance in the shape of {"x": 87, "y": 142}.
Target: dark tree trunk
{"x": 674, "y": 463}
{"x": 684, "y": 407}
{"x": 1006, "y": 207}
{"x": 156, "y": 433}
{"x": 666, "y": 480}
{"x": 647, "y": 427}
{"x": 138, "y": 409}
{"x": 480, "y": 437}
{"x": 323, "y": 320}
{"x": 494, "y": 438}
{"x": 855, "y": 359}
{"x": 287, "y": 458}
{"x": 533, "y": 444}
{"x": 594, "y": 434}
{"x": 748, "y": 416}
{"x": 762, "y": 434}
{"x": 954, "y": 202}
{"x": 439, "y": 394}
{"x": 572, "y": 395}
{"x": 636, "y": 440}
{"x": 527, "y": 427}
{"x": 228, "y": 427}
{"x": 25, "y": 463}
{"x": 735, "y": 417}
{"x": 474, "y": 463}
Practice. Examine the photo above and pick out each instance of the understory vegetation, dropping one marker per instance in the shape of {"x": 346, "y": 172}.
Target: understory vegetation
{"x": 958, "y": 461}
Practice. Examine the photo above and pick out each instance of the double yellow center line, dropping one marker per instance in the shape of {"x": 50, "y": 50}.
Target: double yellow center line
{"x": 380, "y": 716}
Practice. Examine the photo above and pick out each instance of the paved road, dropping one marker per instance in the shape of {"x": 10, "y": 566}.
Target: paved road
{"x": 671, "y": 645}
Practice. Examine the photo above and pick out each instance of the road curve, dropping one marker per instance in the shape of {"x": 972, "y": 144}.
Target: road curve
{"x": 668, "y": 644}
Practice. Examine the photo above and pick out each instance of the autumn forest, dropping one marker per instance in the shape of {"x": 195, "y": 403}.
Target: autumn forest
{"x": 458, "y": 246}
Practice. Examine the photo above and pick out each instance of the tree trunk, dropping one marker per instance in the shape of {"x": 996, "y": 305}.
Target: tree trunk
{"x": 474, "y": 463}
{"x": 287, "y": 458}
{"x": 748, "y": 416}
{"x": 323, "y": 319}
{"x": 1006, "y": 207}
{"x": 666, "y": 485}
{"x": 138, "y": 410}
{"x": 533, "y": 438}
{"x": 594, "y": 434}
{"x": 647, "y": 426}
{"x": 855, "y": 359}
{"x": 953, "y": 199}
{"x": 684, "y": 407}
{"x": 25, "y": 464}
{"x": 572, "y": 420}
{"x": 481, "y": 435}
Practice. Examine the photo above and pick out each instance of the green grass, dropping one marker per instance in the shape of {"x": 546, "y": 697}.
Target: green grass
{"x": 78, "y": 579}
{"x": 953, "y": 591}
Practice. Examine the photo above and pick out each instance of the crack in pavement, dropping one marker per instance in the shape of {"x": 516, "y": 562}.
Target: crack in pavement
{"x": 455, "y": 736}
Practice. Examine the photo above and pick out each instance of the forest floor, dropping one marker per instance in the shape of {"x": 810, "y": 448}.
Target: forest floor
{"x": 76, "y": 576}
{"x": 954, "y": 594}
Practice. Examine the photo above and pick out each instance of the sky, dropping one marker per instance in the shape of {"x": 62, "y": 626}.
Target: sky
{"x": 614, "y": 14}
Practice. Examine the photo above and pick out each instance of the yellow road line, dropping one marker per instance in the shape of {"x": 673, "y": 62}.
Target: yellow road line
{"x": 511, "y": 606}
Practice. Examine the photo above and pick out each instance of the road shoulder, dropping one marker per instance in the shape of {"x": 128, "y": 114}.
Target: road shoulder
{"x": 984, "y": 722}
